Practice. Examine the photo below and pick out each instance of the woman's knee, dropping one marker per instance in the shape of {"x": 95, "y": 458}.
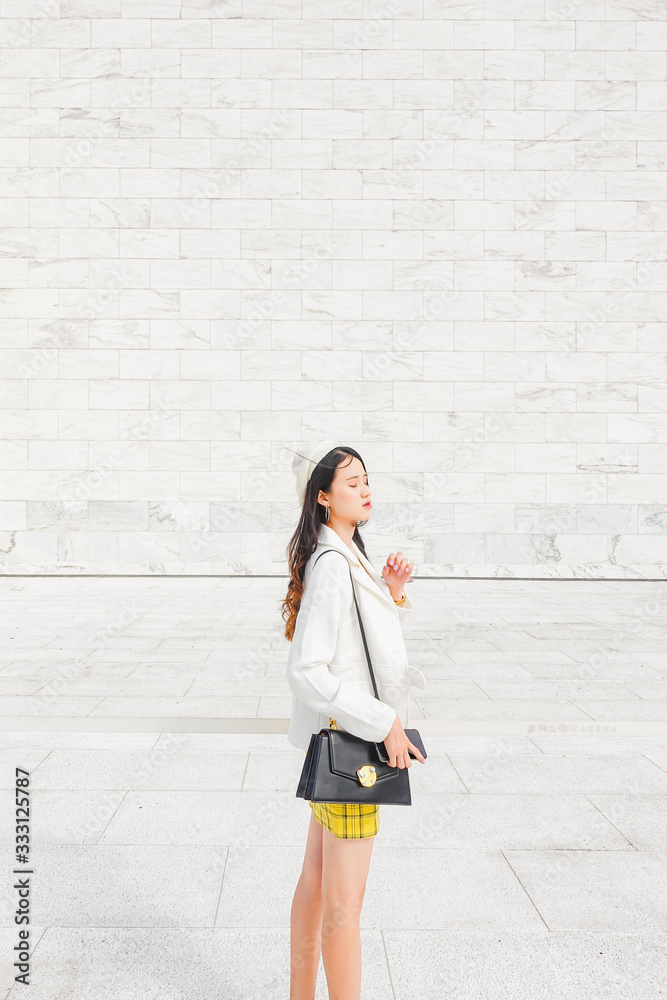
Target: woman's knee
{"x": 340, "y": 913}
{"x": 343, "y": 899}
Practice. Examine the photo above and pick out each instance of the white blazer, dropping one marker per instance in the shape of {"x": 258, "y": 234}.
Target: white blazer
{"x": 327, "y": 668}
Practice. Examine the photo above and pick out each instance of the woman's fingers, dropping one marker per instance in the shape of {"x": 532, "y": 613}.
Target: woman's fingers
{"x": 399, "y": 564}
{"x": 403, "y": 759}
{"x": 405, "y": 570}
{"x": 417, "y": 752}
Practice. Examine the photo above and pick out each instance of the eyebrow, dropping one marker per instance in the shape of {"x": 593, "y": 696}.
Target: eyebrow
{"x": 355, "y": 477}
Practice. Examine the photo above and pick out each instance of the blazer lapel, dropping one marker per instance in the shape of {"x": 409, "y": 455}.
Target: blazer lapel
{"x": 375, "y": 582}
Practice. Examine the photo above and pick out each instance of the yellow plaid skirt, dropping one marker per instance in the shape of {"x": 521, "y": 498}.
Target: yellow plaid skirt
{"x": 348, "y": 820}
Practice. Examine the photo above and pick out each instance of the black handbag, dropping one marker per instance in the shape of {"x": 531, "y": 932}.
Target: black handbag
{"x": 341, "y": 767}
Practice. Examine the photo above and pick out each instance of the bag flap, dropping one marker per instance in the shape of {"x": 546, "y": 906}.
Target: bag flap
{"x": 347, "y": 752}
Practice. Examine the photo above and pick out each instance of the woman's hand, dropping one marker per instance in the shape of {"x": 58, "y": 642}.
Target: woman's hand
{"x": 397, "y": 745}
{"x": 396, "y": 572}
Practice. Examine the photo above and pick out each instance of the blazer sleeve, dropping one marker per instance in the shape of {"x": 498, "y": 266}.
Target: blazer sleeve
{"x": 326, "y": 600}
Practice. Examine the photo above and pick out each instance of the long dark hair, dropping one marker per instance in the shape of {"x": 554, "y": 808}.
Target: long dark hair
{"x": 304, "y": 540}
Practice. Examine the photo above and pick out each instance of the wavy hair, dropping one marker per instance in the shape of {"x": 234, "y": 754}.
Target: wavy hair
{"x": 304, "y": 540}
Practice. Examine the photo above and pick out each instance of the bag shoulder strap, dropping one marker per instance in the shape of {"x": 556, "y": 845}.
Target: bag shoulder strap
{"x": 361, "y": 624}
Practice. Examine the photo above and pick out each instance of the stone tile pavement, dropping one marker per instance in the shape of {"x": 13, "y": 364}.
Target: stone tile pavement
{"x": 166, "y": 838}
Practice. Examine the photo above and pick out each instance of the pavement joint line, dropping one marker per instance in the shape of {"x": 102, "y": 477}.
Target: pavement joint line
{"x": 249, "y": 726}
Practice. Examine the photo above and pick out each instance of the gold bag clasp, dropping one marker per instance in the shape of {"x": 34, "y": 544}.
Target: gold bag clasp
{"x": 367, "y": 775}
{"x": 332, "y": 723}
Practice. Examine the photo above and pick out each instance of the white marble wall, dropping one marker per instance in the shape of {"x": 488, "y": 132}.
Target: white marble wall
{"x": 434, "y": 230}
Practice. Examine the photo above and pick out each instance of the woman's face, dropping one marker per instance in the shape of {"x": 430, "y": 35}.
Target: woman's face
{"x": 350, "y": 494}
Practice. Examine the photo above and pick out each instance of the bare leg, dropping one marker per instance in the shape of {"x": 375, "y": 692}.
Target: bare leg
{"x": 345, "y": 865}
{"x": 306, "y": 919}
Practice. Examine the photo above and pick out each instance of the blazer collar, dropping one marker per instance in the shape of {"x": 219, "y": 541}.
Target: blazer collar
{"x": 328, "y": 538}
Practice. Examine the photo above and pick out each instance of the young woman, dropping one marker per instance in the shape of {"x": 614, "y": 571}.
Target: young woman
{"x": 328, "y": 674}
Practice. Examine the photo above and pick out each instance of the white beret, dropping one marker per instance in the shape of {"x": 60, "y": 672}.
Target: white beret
{"x": 304, "y": 462}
